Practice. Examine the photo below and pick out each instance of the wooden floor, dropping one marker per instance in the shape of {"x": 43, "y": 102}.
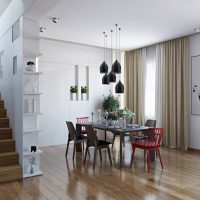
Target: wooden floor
{"x": 64, "y": 179}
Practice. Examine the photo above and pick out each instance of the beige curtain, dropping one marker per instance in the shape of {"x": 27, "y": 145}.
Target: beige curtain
{"x": 133, "y": 82}
{"x": 173, "y": 65}
{"x": 175, "y": 93}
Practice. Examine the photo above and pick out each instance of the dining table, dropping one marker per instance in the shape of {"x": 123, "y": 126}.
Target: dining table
{"x": 121, "y": 131}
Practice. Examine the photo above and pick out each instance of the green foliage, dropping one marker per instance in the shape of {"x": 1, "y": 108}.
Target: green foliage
{"x": 110, "y": 103}
{"x": 121, "y": 113}
{"x": 84, "y": 89}
{"x": 73, "y": 89}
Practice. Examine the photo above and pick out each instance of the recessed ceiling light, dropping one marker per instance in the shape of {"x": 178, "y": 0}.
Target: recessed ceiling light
{"x": 42, "y": 29}
{"x": 55, "y": 20}
{"x": 197, "y": 30}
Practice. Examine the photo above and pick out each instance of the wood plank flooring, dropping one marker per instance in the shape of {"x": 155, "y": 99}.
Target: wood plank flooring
{"x": 64, "y": 179}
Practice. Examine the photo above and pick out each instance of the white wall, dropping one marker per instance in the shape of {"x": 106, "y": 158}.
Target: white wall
{"x": 57, "y": 64}
{"x": 194, "y": 137}
{"x": 11, "y": 88}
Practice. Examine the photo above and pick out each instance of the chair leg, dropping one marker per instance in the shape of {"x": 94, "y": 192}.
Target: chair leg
{"x": 109, "y": 155}
{"x": 67, "y": 148}
{"x": 113, "y": 140}
{"x": 95, "y": 152}
{"x": 83, "y": 146}
{"x": 133, "y": 153}
{"x": 86, "y": 151}
{"x": 148, "y": 160}
{"x": 158, "y": 151}
{"x": 74, "y": 150}
{"x": 100, "y": 155}
{"x": 123, "y": 141}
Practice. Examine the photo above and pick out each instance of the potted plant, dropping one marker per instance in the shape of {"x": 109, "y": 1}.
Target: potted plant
{"x": 110, "y": 103}
{"x": 30, "y": 66}
{"x": 73, "y": 91}
{"x": 84, "y": 89}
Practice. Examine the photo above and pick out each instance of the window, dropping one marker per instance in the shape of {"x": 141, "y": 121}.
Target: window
{"x": 150, "y": 83}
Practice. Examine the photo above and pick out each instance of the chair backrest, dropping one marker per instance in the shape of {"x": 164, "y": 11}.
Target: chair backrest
{"x": 155, "y": 135}
{"x": 91, "y": 135}
{"x": 72, "y": 131}
{"x": 151, "y": 123}
{"x": 129, "y": 120}
{"x": 82, "y": 120}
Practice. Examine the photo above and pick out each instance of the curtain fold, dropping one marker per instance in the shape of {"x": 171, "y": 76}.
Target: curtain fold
{"x": 175, "y": 93}
{"x": 171, "y": 89}
{"x": 133, "y": 82}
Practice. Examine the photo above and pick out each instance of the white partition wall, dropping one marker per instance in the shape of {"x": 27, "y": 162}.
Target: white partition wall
{"x": 63, "y": 65}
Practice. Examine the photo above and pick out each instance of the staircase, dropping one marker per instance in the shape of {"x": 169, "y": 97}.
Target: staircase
{"x": 10, "y": 169}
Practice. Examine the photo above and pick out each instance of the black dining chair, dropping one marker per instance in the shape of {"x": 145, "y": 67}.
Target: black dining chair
{"x": 93, "y": 141}
{"x": 74, "y": 136}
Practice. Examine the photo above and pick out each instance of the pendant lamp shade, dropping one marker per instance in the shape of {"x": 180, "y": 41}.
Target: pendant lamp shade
{"x": 112, "y": 77}
{"x": 116, "y": 67}
{"x": 105, "y": 80}
{"x": 103, "y": 67}
{"x": 119, "y": 88}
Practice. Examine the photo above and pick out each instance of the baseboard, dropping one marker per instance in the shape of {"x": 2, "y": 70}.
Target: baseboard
{"x": 194, "y": 150}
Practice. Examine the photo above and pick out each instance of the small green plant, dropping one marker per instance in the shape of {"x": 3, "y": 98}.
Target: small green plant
{"x": 110, "y": 103}
{"x": 121, "y": 113}
{"x": 84, "y": 89}
{"x": 74, "y": 89}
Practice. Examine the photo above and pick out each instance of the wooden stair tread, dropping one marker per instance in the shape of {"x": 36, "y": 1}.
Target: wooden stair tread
{"x": 10, "y": 173}
{"x": 8, "y": 154}
{"x": 7, "y": 140}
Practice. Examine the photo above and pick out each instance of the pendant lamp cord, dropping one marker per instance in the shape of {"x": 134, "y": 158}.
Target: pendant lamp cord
{"x": 111, "y": 46}
{"x": 119, "y": 46}
{"x": 106, "y": 47}
{"x": 104, "y": 44}
{"x": 116, "y": 41}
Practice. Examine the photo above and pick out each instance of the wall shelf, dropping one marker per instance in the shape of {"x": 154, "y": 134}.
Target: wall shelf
{"x": 32, "y": 130}
{"x": 32, "y": 114}
{"x": 32, "y": 73}
{"x": 32, "y": 93}
{"x": 32, "y": 55}
{"x": 34, "y": 174}
{"x": 28, "y": 153}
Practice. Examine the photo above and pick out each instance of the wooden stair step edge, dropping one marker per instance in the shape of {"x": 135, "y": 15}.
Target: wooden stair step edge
{"x": 7, "y": 145}
{"x": 4, "y": 122}
{"x": 3, "y": 113}
{"x": 10, "y": 173}
{"x": 9, "y": 158}
{"x": 5, "y": 133}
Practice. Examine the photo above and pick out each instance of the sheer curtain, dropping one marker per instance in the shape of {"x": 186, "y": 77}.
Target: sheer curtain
{"x": 150, "y": 83}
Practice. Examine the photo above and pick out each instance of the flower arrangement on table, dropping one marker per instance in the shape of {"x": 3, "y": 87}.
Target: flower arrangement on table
{"x": 125, "y": 113}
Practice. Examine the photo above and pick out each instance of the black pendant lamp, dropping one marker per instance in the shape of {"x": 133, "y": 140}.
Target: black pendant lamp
{"x": 111, "y": 75}
{"x": 105, "y": 80}
{"x": 119, "y": 88}
{"x": 116, "y": 67}
{"x": 104, "y": 66}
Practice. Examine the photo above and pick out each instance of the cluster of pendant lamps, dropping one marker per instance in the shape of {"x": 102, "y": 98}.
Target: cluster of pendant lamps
{"x": 116, "y": 66}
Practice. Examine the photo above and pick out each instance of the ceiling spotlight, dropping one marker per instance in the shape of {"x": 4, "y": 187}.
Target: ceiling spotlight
{"x": 42, "y": 29}
{"x": 55, "y": 20}
{"x": 197, "y": 30}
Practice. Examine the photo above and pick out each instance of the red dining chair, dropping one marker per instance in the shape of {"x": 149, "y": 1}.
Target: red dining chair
{"x": 152, "y": 142}
{"x": 82, "y": 120}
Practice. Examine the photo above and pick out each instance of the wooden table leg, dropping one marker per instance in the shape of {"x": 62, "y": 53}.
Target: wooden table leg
{"x": 121, "y": 140}
{"x": 105, "y": 135}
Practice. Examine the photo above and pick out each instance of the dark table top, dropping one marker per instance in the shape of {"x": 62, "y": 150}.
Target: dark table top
{"x": 128, "y": 129}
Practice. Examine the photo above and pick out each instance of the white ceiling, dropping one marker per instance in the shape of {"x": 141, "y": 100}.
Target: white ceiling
{"x": 3, "y": 5}
{"x": 143, "y": 22}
